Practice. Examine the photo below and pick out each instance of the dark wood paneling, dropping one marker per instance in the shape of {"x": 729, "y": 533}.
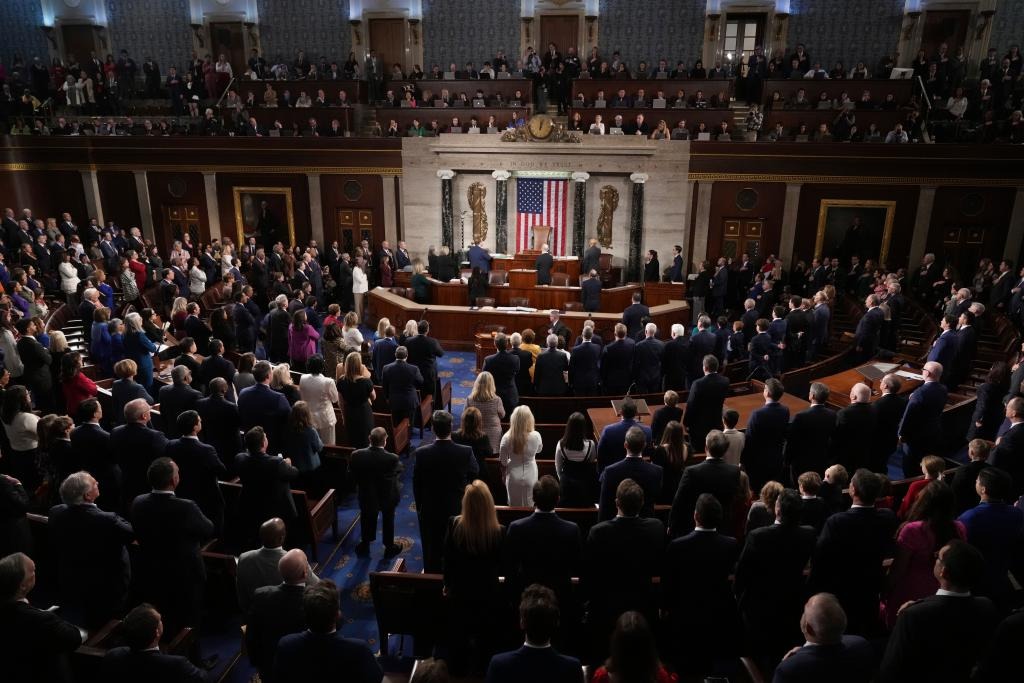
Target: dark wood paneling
{"x": 443, "y": 115}
{"x": 370, "y": 197}
{"x": 771, "y": 199}
{"x": 47, "y": 194}
{"x": 119, "y": 198}
{"x": 163, "y": 188}
{"x": 507, "y": 87}
{"x": 354, "y": 90}
{"x": 903, "y": 222}
{"x": 791, "y": 120}
{"x": 561, "y": 29}
{"x": 300, "y": 200}
{"x": 387, "y": 37}
{"x": 590, "y": 87}
{"x": 709, "y": 117}
{"x": 902, "y": 89}
{"x": 980, "y": 234}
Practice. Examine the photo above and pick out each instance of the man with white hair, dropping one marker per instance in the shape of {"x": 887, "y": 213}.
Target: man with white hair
{"x": 647, "y": 355}
{"x": 855, "y": 426}
{"x": 545, "y": 261}
{"x": 276, "y": 611}
{"x": 557, "y": 327}
{"x": 675, "y": 359}
{"x": 93, "y": 571}
{"x": 828, "y": 653}
{"x": 524, "y": 380}
{"x": 135, "y": 445}
{"x": 86, "y": 309}
{"x": 921, "y": 427}
{"x": 551, "y": 375}
{"x": 277, "y": 322}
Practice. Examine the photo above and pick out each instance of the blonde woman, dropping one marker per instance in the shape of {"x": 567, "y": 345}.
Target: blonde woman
{"x": 281, "y": 382}
{"x": 357, "y": 394}
{"x": 484, "y": 399}
{"x": 350, "y": 333}
{"x": 517, "y": 456}
{"x": 321, "y": 395}
{"x": 382, "y": 326}
{"x": 410, "y": 331}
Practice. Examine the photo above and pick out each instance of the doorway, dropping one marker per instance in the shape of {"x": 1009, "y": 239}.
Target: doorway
{"x": 79, "y": 40}
{"x": 226, "y": 39}
{"x": 742, "y": 236}
{"x": 561, "y": 29}
{"x": 352, "y": 227}
{"x": 945, "y": 26}
{"x": 387, "y": 37}
{"x": 743, "y": 32}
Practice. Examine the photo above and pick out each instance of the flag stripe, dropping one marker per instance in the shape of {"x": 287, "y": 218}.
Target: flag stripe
{"x": 542, "y": 202}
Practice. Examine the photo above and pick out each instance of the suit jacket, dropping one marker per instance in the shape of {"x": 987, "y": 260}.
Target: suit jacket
{"x": 719, "y": 282}
{"x": 524, "y": 380}
{"x": 442, "y": 470}
{"x": 967, "y": 344}
{"x": 548, "y": 378}
{"x": 646, "y": 474}
{"x": 866, "y": 336}
{"x": 478, "y": 258}
{"x": 1008, "y": 455}
{"x": 938, "y": 639}
{"x": 261, "y": 405}
{"x": 591, "y": 259}
{"x": 749, "y": 319}
{"x": 35, "y": 643}
{"x": 584, "y": 369}
{"x": 704, "y": 343}
{"x": 632, "y": 317}
{"x": 196, "y": 328}
{"x": 266, "y": 489}
{"x": 848, "y": 561}
{"x": 170, "y": 531}
{"x": 122, "y": 665}
{"x": 849, "y": 661}
{"x": 221, "y": 425}
{"x": 944, "y": 352}
{"x": 382, "y": 354}
{"x": 763, "y": 448}
{"x": 400, "y": 381}
{"x": 275, "y": 612}
{"x": 921, "y": 425}
{"x": 174, "y": 400}
{"x": 376, "y": 471}
{"x": 90, "y": 444}
{"x": 590, "y": 291}
{"x": 809, "y": 438}
{"x": 851, "y": 444}
{"x": 423, "y": 353}
{"x": 617, "y": 366}
{"x": 819, "y": 323}
{"x": 770, "y": 575}
{"x": 714, "y": 476}
{"x": 543, "y": 265}
{"x": 544, "y": 548}
{"x": 647, "y": 364}
{"x": 705, "y": 559}
{"x": 504, "y": 367}
{"x": 610, "y": 446}
{"x": 200, "y": 468}
{"x": 620, "y": 557}
{"x": 704, "y": 407}
{"x": 675, "y": 362}
{"x": 136, "y": 447}
{"x": 888, "y": 412}
{"x": 533, "y": 664}
{"x": 306, "y": 656}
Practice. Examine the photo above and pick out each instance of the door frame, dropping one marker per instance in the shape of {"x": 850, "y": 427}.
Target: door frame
{"x": 412, "y": 53}
{"x": 529, "y": 27}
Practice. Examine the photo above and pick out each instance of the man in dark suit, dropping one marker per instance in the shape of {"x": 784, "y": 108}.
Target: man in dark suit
{"x": 945, "y": 349}
{"x": 766, "y": 435}
{"x": 424, "y": 351}
{"x": 245, "y": 324}
{"x": 443, "y": 468}
{"x": 221, "y": 424}
{"x": 855, "y": 426}
{"x": 1008, "y": 455}
{"x": 714, "y": 476}
{"x": 719, "y": 286}
{"x": 176, "y": 398}
{"x": 551, "y": 370}
{"x": 590, "y": 292}
{"x": 89, "y": 547}
{"x": 199, "y": 468}
{"x": 376, "y": 470}
{"x": 400, "y": 380}
{"x": 828, "y": 654}
{"x": 675, "y": 359}
{"x": 544, "y": 548}
{"x": 276, "y": 611}
{"x": 810, "y": 435}
{"x": 141, "y": 659}
{"x": 820, "y": 317}
{"x": 198, "y": 329}
{"x": 867, "y": 335}
{"x": 266, "y": 486}
{"x": 504, "y": 366}
{"x": 967, "y": 345}
{"x": 888, "y": 412}
{"x": 634, "y": 315}
{"x": 620, "y": 557}
{"x": 90, "y": 444}
{"x": 136, "y": 445}
{"x": 536, "y": 659}
{"x": 850, "y": 550}
{"x": 995, "y": 527}
{"x": 770, "y": 579}
{"x": 702, "y": 344}
{"x": 34, "y": 643}
{"x": 261, "y": 406}
{"x": 584, "y": 365}
{"x": 647, "y": 475}
{"x": 706, "y": 558}
{"x": 478, "y": 258}
{"x": 170, "y": 531}
{"x": 591, "y": 257}
{"x": 705, "y": 402}
{"x": 610, "y": 444}
{"x": 382, "y": 353}
{"x": 921, "y": 427}
{"x": 545, "y": 261}
{"x": 941, "y": 637}
{"x": 557, "y": 327}
{"x": 321, "y": 651}
{"x": 617, "y": 363}
{"x": 647, "y": 361}
{"x": 524, "y": 380}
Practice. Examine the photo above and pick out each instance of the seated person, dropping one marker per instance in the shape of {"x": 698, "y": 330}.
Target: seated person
{"x": 392, "y": 130}
{"x": 723, "y": 133}
{"x": 597, "y": 127}
{"x": 897, "y": 135}
{"x": 679, "y": 101}
{"x": 580, "y": 101}
{"x": 721, "y": 100}
{"x": 681, "y": 132}
{"x": 638, "y": 127}
{"x": 303, "y": 102}
{"x": 822, "y": 134}
{"x": 680, "y": 72}
{"x": 617, "y": 123}
{"x": 800, "y": 101}
{"x": 455, "y": 126}
{"x": 474, "y": 125}
{"x": 415, "y": 129}
{"x": 699, "y": 101}
{"x": 641, "y": 101}
{"x": 600, "y": 97}
{"x": 487, "y": 72}
{"x": 321, "y": 98}
{"x": 865, "y": 101}
{"x": 621, "y": 99}
{"x": 343, "y": 100}
{"x": 517, "y": 99}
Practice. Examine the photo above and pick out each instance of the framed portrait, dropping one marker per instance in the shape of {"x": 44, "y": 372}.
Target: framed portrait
{"x": 266, "y": 213}
{"x": 854, "y": 227}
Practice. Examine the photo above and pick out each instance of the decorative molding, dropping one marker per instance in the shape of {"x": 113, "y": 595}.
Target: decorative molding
{"x": 639, "y": 178}
{"x": 501, "y": 175}
{"x": 580, "y": 177}
{"x": 854, "y": 180}
{"x": 446, "y": 174}
{"x": 180, "y": 168}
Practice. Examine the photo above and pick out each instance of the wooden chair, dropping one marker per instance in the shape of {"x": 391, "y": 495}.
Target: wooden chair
{"x": 518, "y": 301}
{"x": 573, "y": 306}
{"x": 497, "y": 277}
{"x": 559, "y": 279}
{"x": 408, "y": 604}
{"x": 482, "y": 301}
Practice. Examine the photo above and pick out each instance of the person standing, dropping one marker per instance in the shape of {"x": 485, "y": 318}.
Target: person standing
{"x": 400, "y": 380}
{"x": 504, "y": 367}
{"x": 424, "y": 351}
{"x": 376, "y": 471}
{"x": 921, "y": 427}
{"x": 357, "y": 394}
{"x": 321, "y": 395}
{"x": 517, "y": 456}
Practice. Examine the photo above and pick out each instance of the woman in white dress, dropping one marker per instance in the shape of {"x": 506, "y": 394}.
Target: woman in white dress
{"x": 517, "y": 456}
{"x": 489, "y": 404}
{"x": 321, "y": 394}
{"x": 360, "y": 285}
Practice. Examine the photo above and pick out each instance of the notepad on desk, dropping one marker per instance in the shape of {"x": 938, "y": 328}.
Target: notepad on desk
{"x": 909, "y": 375}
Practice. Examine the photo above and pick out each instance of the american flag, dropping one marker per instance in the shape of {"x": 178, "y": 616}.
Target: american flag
{"x": 541, "y": 201}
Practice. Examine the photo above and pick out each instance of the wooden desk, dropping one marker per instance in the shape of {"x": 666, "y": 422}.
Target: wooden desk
{"x": 563, "y": 264}
{"x": 879, "y": 88}
{"x": 839, "y": 386}
{"x": 355, "y": 90}
{"x": 792, "y": 118}
{"x": 287, "y": 116}
{"x": 744, "y": 404}
{"x": 614, "y": 300}
{"x": 483, "y": 344}
{"x": 506, "y": 87}
{"x": 590, "y": 87}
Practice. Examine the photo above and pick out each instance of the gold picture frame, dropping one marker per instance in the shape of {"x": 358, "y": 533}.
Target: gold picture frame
{"x": 867, "y": 204}
{"x": 238, "y": 192}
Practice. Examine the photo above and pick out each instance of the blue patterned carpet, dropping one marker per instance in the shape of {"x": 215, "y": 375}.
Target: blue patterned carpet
{"x": 340, "y": 562}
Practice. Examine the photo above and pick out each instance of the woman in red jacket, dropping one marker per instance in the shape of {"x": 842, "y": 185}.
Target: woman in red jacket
{"x": 76, "y": 386}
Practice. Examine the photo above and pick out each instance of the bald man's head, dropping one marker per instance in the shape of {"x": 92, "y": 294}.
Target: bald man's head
{"x": 272, "y": 533}
{"x": 861, "y": 393}
{"x": 933, "y": 370}
{"x": 293, "y": 566}
{"x": 823, "y": 621}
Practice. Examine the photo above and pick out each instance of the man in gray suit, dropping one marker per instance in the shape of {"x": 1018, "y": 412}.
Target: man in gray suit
{"x": 258, "y": 568}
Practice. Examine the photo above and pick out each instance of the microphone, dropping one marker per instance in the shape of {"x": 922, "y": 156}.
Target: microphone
{"x": 423, "y": 315}
{"x": 630, "y": 389}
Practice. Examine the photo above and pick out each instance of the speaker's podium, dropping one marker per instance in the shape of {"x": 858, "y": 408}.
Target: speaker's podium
{"x": 541, "y": 234}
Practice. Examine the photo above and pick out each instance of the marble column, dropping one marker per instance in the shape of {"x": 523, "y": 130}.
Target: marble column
{"x": 1015, "y": 233}
{"x": 501, "y": 211}
{"x": 93, "y": 204}
{"x": 701, "y": 220}
{"x": 789, "y": 213}
{"x": 447, "y": 211}
{"x": 145, "y": 204}
{"x": 634, "y": 266}
{"x": 579, "y": 214}
{"x": 922, "y": 223}
{"x": 212, "y": 210}
{"x": 316, "y": 210}
{"x": 390, "y": 214}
